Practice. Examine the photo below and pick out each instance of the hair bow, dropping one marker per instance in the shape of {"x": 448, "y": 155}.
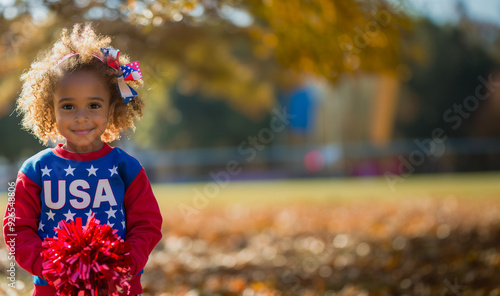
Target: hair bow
{"x": 130, "y": 71}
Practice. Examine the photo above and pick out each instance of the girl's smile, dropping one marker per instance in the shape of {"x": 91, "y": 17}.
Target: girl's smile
{"x": 82, "y": 110}
{"x": 83, "y": 132}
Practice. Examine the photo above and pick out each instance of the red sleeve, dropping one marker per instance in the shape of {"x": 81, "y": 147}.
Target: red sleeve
{"x": 22, "y": 235}
{"x": 143, "y": 220}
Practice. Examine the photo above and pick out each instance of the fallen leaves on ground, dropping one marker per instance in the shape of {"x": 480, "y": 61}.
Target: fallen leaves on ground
{"x": 423, "y": 246}
{"x": 420, "y": 246}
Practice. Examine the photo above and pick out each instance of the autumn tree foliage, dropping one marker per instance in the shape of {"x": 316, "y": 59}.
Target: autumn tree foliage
{"x": 239, "y": 52}
{"x": 236, "y": 50}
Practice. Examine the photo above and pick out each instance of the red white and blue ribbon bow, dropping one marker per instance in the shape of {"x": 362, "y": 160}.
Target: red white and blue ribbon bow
{"x": 130, "y": 71}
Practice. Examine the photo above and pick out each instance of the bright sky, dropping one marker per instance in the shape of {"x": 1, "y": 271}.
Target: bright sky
{"x": 444, "y": 11}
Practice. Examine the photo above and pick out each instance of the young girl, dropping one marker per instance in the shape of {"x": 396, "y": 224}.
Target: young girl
{"x": 81, "y": 92}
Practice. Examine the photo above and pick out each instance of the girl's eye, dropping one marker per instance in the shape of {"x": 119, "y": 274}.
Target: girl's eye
{"x": 67, "y": 107}
{"x": 94, "y": 106}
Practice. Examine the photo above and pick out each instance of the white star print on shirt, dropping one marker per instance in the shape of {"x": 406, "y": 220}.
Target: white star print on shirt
{"x": 50, "y": 214}
{"x": 92, "y": 170}
{"x": 69, "y": 170}
{"x": 123, "y": 224}
{"x": 40, "y": 226}
{"x": 89, "y": 214}
{"x": 111, "y": 224}
{"x": 69, "y": 216}
{"x": 46, "y": 171}
{"x": 111, "y": 213}
{"x": 113, "y": 170}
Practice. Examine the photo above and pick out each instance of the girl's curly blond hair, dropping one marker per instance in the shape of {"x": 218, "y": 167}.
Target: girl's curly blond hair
{"x": 35, "y": 103}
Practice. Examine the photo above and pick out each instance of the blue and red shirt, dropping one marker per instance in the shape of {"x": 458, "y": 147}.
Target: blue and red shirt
{"x": 57, "y": 184}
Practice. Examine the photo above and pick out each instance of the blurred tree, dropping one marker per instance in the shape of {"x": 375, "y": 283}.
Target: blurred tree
{"x": 205, "y": 119}
{"x": 444, "y": 66}
{"x": 18, "y": 143}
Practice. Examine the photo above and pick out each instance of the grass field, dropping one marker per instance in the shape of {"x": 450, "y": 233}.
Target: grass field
{"x": 478, "y": 185}
{"x": 428, "y": 235}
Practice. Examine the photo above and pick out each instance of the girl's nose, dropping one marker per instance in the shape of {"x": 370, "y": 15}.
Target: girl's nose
{"x": 81, "y": 115}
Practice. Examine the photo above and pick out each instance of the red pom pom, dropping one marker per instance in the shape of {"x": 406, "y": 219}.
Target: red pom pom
{"x": 86, "y": 261}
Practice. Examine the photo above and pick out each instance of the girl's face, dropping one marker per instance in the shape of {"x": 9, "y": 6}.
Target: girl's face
{"x": 82, "y": 111}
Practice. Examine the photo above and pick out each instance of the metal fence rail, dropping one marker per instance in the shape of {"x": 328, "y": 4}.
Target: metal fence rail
{"x": 334, "y": 158}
